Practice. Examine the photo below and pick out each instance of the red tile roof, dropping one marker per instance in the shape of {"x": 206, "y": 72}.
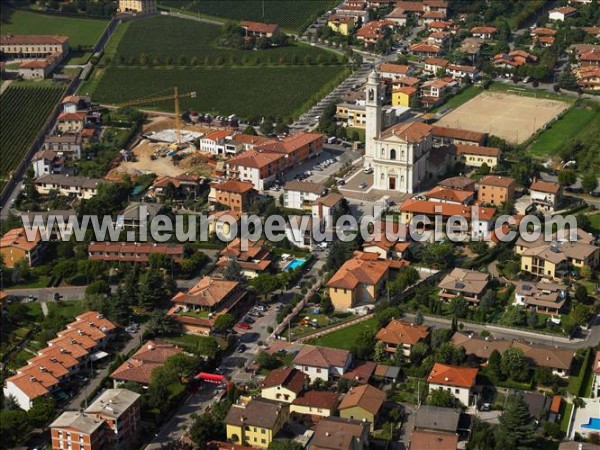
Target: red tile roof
{"x": 453, "y": 375}
{"x": 259, "y": 27}
{"x": 317, "y": 399}
{"x": 411, "y": 132}
{"x": 32, "y": 39}
{"x": 545, "y": 186}
{"x": 18, "y": 239}
{"x": 356, "y": 271}
{"x": 140, "y": 366}
{"x": 289, "y": 378}
{"x": 235, "y": 186}
{"x": 445, "y": 209}
{"x": 399, "y": 332}
{"x": 463, "y": 149}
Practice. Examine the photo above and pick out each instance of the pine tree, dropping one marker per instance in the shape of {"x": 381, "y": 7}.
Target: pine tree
{"x": 120, "y": 307}
{"x": 516, "y": 426}
{"x": 494, "y": 363}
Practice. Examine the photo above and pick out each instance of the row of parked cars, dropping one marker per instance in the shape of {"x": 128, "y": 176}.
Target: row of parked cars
{"x": 251, "y": 316}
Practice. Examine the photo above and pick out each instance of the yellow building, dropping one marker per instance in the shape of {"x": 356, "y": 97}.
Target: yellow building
{"x": 315, "y": 403}
{"x": 475, "y": 156}
{"x": 283, "y": 385}
{"x": 357, "y": 281}
{"x": 341, "y": 24}
{"x": 257, "y": 422}
{"x": 362, "y": 403}
{"x": 353, "y": 115}
{"x": 15, "y": 246}
{"x": 404, "y": 96}
{"x": 138, "y": 6}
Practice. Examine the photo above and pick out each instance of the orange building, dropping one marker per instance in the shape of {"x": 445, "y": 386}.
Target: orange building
{"x": 15, "y": 246}
{"x": 234, "y": 194}
{"x": 496, "y": 190}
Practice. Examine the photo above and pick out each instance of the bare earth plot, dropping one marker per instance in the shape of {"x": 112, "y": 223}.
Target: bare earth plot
{"x": 513, "y": 118}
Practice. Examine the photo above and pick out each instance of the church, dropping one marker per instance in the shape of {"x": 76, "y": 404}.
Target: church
{"x": 402, "y": 157}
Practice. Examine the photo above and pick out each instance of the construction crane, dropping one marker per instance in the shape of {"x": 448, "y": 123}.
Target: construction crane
{"x": 175, "y": 96}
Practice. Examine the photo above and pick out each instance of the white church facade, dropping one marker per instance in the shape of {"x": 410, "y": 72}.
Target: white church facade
{"x": 402, "y": 157}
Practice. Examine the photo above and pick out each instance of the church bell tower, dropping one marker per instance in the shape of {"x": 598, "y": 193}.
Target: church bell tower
{"x": 373, "y": 112}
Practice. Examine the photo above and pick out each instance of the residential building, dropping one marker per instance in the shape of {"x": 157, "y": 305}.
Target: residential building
{"x": 214, "y": 142}
{"x": 197, "y": 308}
{"x": 545, "y": 194}
{"x": 434, "y": 91}
{"x": 446, "y": 136}
{"x": 443, "y": 194}
{"x": 354, "y": 8}
{"x": 38, "y": 69}
{"x": 441, "y": 38}
{"x": 259, "y": 29}
{"x": 47, "y": 162}
{"x": 541, "y": 297}
{"x": 351, "y": 114}
{"x": 322, "y": 362}
{"x": 461, "y": 71}
{"x": 471, "y": 46}
{"x": 513, "y": 59}
{"x": 496, "y": 190}
{"x": 398, "y": 16}
{"x": 458, "y": 184}
{"x": 484, "y": 32}
{"x": 252, "y": 256}
{"x": 15, "y": 245}
{"x": 302, "y": 194}
{"x": 404, "y": 96}
{"x": 362, "y": 403}
{"x": 425, "y": 50}
{"x": 562, "y": 13}
{"x": 436, "y": 418}
{"x": 335, "y": 433}
{"x": 538, "y": 405}
{"x": 299, "y": 231}
{"x": 390, "y": 242}
{"x": 69, "y": 186}
{"x": 315, "y": 404}
{"x": 426, "y": 440}
{"x": 468, "y": 284}
{"x": 459, "y": 381}
{"x": 283, "y": 385}
{"x": 64, "y": 356}
{"x": 588, "y": 77}
{"x": 358, "y": 281}
{"x": 434, "y": 65}
{"x": 71, "y": 122}
{"x": 68, "y": 145}
{"x": 325, "y": 208}
{"x": 33, "y": 46}
{"x": 221, "y": 224}
{"x": 183, "y": 185}
{"x": 558, "y": 360}
{"x": 133, "y": 252}
{"x": 236, "y": 195}
{"x": 477, "y": 156}
{"x": 138, "y": 214}
{"x": 370, "y": 33}
{"x": 256, "y": 422}
{"x": 139, "y": 368}
{"x": 259, "y": 167}
{"x": 390, "y": 72}
{"x": 399, "y": 336}
{"x": 297, "y": 148}
{"x": 596, "y": 381}
{"x": 341, "y": 24}
{"x": 479, "y": 219}
{"x": 75, "y": 429}
{"x": 138, "y": 6}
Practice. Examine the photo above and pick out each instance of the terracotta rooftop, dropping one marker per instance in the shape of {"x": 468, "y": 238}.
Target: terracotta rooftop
{"x": 446, "y": 209}
{"x": 335, "y": 433}
{"x": 483, "y": 30}
{"x": 208, "y": 292}
{"x": 453, "y": 133}
{"x": 235, "y": 186}
{"x": 317, "y": 399}
{"x": 463, "y": 149}
{"x": 443, "y": 193}
{"x": 399, "y": 332}
{"x": 259, "y": 27}
{"x": 465, "y": 281}
{"x": 32, "y": 39}
{"x": 499, "y": 181}
{"x": 432, "y": 440}
{"x": 304, "y": 186}
{"x": 140, "y": 366}
{"x": 323, "y": 357}
{"x": 255, "y": 159}
{"x": 453, "y": 375}
{"x": 460, "y": 183}
{"x": 18, "y": 239}
{"x": 356, "y": 271}
{"x": 545, "y": 186}
{"x": 365, "y": 396}
{"x": 289, "y": 378}
{"x": 411, "y": 132}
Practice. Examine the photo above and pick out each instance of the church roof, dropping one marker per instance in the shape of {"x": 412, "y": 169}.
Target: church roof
{"x": 410, "y": 132}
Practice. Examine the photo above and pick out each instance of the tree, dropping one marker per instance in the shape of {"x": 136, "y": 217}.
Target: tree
{"x": 152, "y": 288}
{"x": 285, "y": 444}
{"x": 459, "y": 307}
{"x": 42, "y": 411}
{"x": 224, "y": 321}
{"x": 326, "y": 305}
{"x": 589, "y": 182}
{"x": 516, "y": 428}
{"x": 14, "y": 426}
{"x": 379, "y": 352}
{"x": 250, "y": 130}
{"x": 447, "y": 353}
{"x": 514, "y": 365}
{"x": 120, "y": 308}
{"x": 567, "y": 79}
{"x": 567, "y": 177}
{"x": 439, "y": 336}
{"x": 495, "y": 363}
{"x": 233, "y": 272}
{"x": 364, "y": 345}
{"x": 532, "y": 319}
{"x": 266, "y": 127}
{"x": 419, "y": 318}
{"x": 161, "y": 324}
{"x": 488, "y": 300}
{"x": 443, "y": 398}
{"x": 478, "y": 247}
{"x": 267, "y": 361}
{"x": 97, "y": 287}
{"x": 265, "y": 284}
{"x": 419, "y": 352}
{"x": 578, "y": 402}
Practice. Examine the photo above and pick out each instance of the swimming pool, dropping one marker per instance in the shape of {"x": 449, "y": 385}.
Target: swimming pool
{"x": 593, "y": 424}
{"x": 294, "y": 264}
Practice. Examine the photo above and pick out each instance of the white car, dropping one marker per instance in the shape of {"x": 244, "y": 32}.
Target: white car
{"x": 368, "y": 170}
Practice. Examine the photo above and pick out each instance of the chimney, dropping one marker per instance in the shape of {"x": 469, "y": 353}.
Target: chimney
{"x": 446, "y": 379}
{"x": 327, "y": 434}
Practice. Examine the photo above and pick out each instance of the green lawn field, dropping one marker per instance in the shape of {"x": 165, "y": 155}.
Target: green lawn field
{"x": 84, "y": 32}
{"x": 291, "y": 15}
{"x": 161, "y": 38}
{"x": 245, "y": 91}
{"x": 346, "y": 337}
{"x": 562, "y": 131}
{"x": 461, "y": 98}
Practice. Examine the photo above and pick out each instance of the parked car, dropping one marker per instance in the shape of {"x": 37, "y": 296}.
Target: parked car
{"x": 241, "y": 348}
{"x": 362, "y": 185}
{"x": 243, "y": 325}
{"x": 368, "y": 170}
{"x": 248, "y": 319}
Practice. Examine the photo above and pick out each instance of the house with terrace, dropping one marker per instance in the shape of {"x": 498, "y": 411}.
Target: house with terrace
{"x": 302, "y": 194}
{"x": 234, "y": 194}
{"x": 322, "y": 362}
{"x": 253, "y": 257}
{"x": 468, "y": 284}
{"x": 139, "y": 368}
{"x": 459, "y": 381}
{"x": 541, "y": 297}
{"x": 399, "y": 336}
{"x": 198, "y": 308}
{"x": 545, "y": 195}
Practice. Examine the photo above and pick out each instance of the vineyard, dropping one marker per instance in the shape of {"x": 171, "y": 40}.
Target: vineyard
{"x": 24, "y": 110}
{"x": 291, "y": 15}
{"x": 247, "y": 92}
{"x": 165, "y": 40}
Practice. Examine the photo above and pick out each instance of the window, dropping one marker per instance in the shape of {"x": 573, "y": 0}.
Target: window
{"x": 383, "y": 153}
{"x": 457, "y": 391}
{"x": 263, "y": 431}
{"x": 263, "y": 441}
{"x": 318, "y": 370}
{"x": 392, "y": 154}
{"x": 402, "y": 154}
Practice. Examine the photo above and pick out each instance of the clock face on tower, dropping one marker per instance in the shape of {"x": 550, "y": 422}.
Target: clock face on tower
{"x": 371, "y": 95}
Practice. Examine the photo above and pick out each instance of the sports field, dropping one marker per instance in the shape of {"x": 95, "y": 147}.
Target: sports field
{"x": 84, "y": 32}
{"x": 514, "y": 118}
